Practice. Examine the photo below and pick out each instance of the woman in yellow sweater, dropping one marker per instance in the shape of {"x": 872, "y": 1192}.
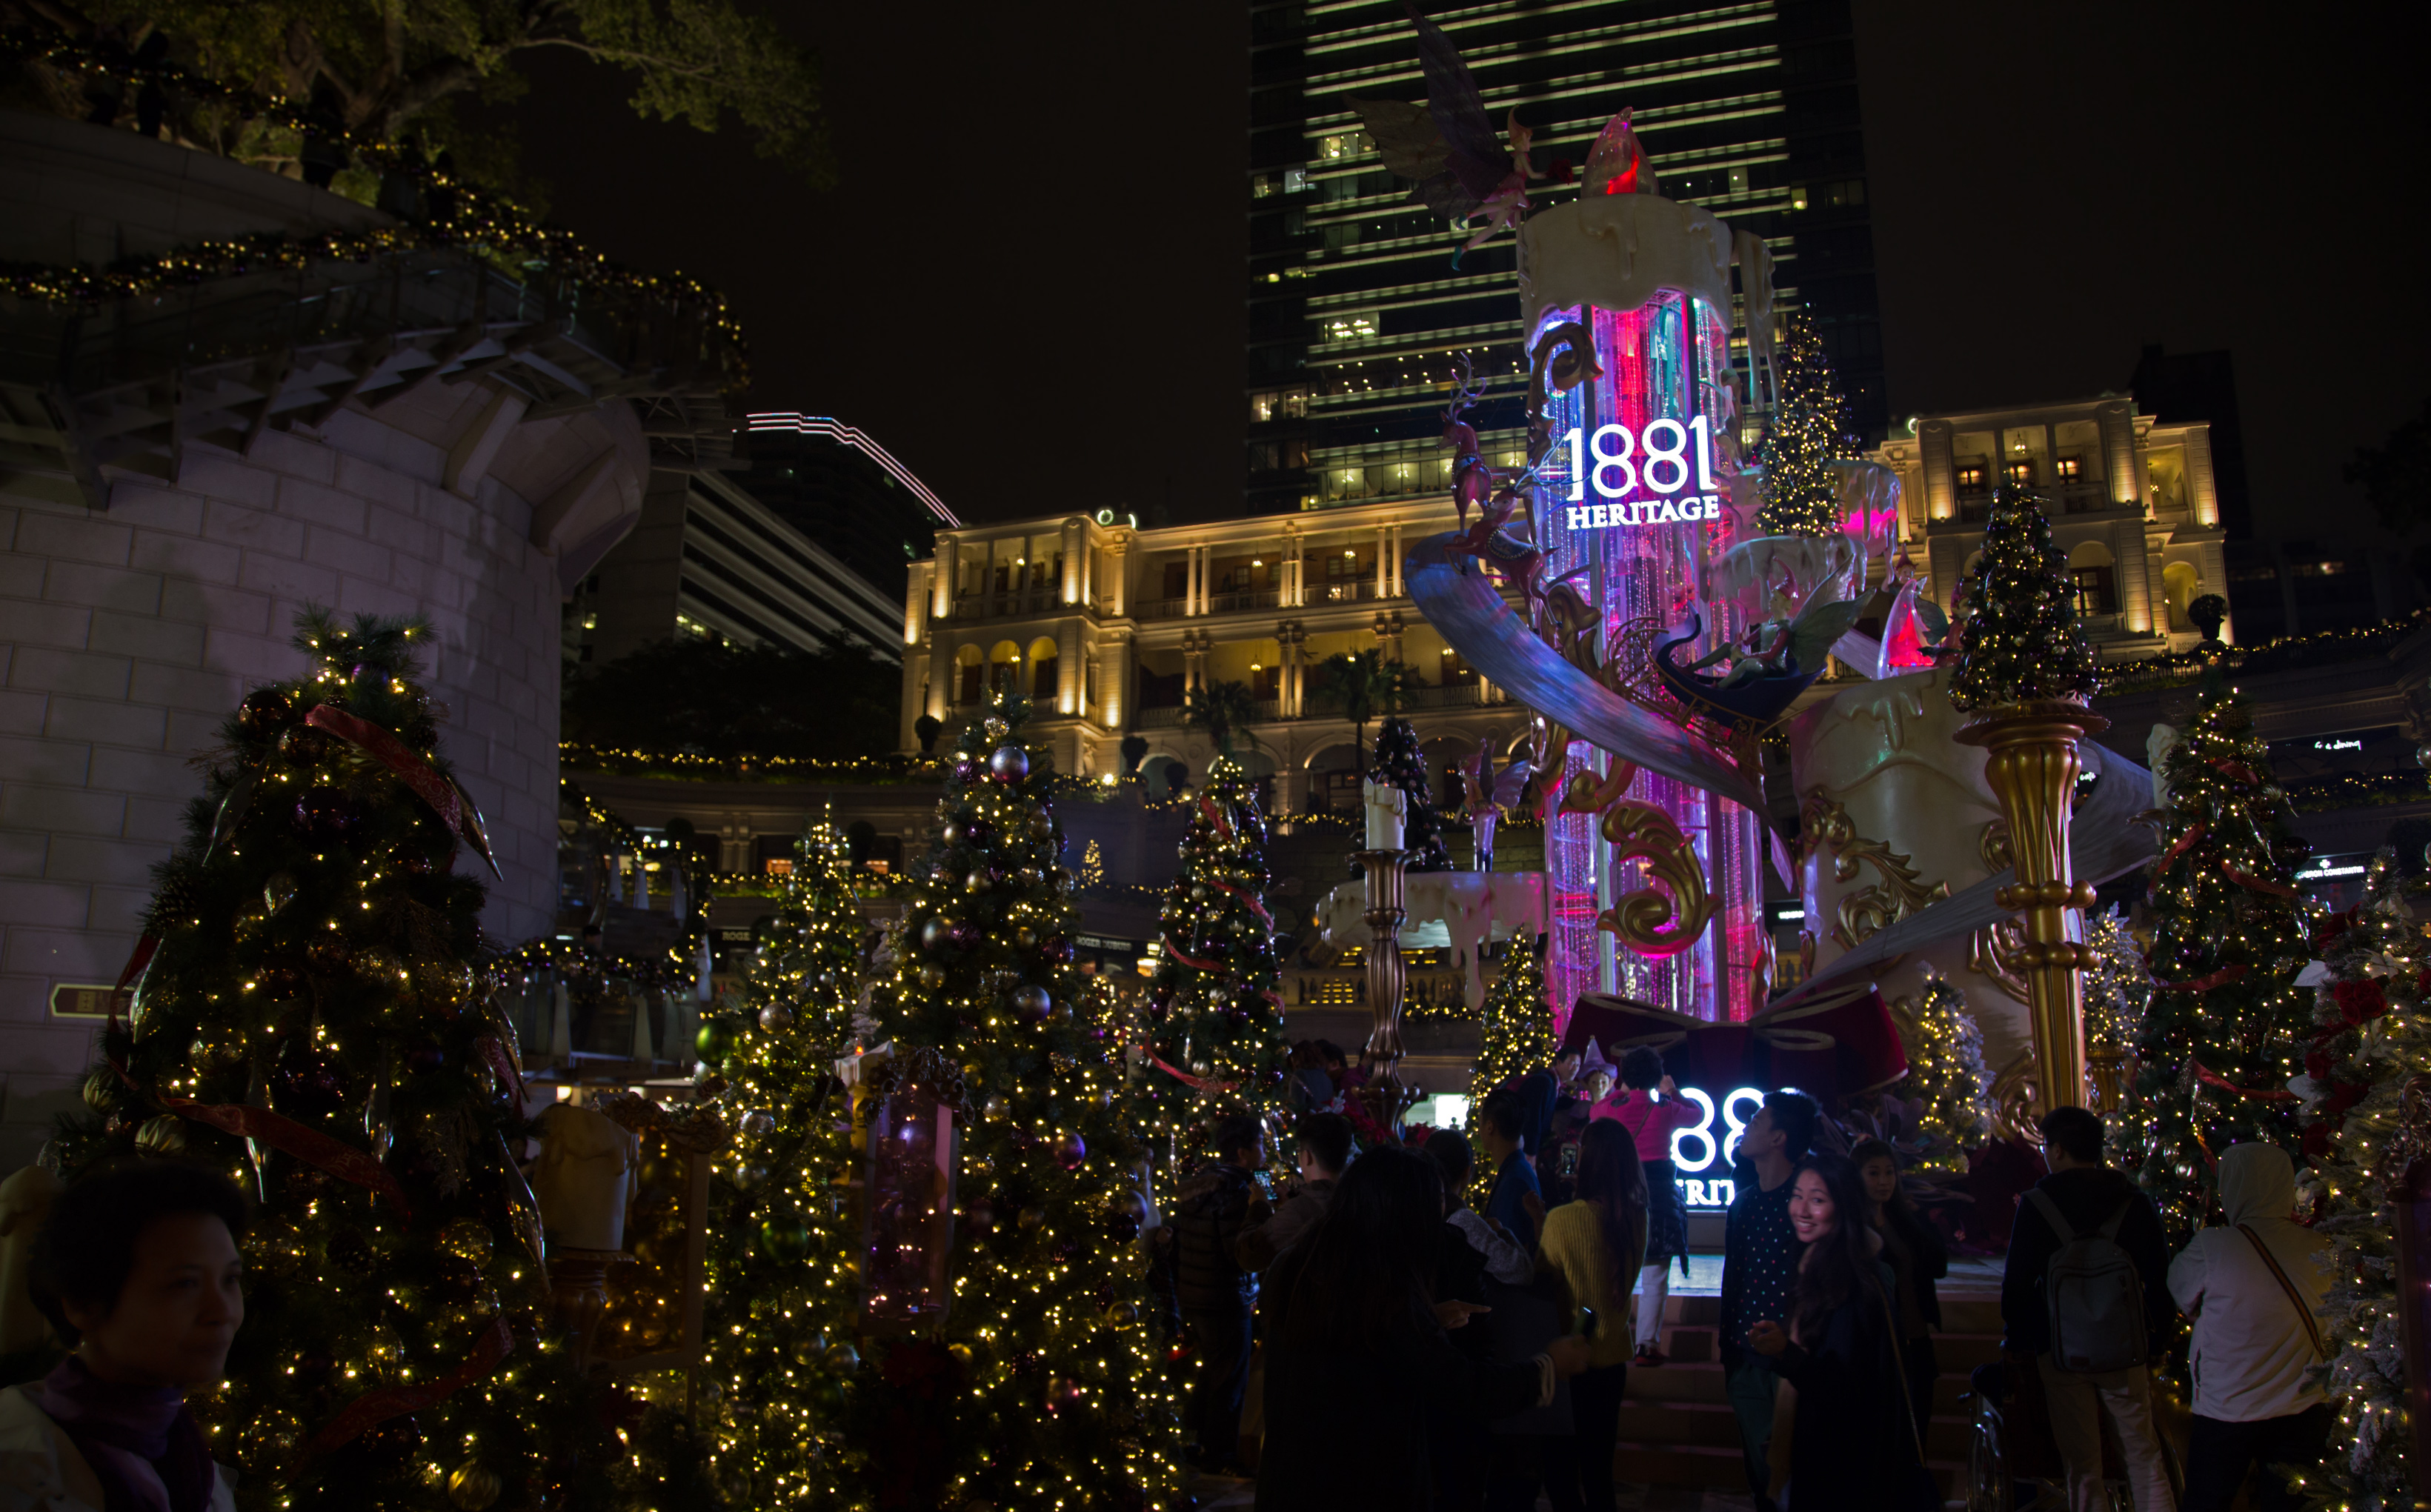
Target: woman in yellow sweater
{"x": 1596, "y": 1244}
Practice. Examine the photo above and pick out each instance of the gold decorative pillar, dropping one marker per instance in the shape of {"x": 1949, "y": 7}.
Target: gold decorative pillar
{"x": 2031, "y": 766}
{"x": 1386, "y": 1096}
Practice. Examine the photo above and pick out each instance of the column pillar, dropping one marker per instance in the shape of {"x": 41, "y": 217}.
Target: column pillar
{"x": 1118, "y": 568}
{"x": 941, "y": 669}
{"x": 2212, "y": 578}
{"x": 1067, "y": 667}
{"x": 2135, "y": 575}
{"x": 1397, "y": 590}
{"x": 945, "y": 576}
{"x": 1295, "y": 566}
{"x": 1115, "y": 681}
{"x": 1383, "y": 561}
{"x": 1388, "y": 634}
{"x": 2117, "y": 418}
{"x": 2203, "y": 485}
{"x": 1076, "y": 537}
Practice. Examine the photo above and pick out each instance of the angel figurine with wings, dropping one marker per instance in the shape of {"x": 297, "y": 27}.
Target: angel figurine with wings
{"x": 1489, "y": 794}
{"x": 1449, "y": 145}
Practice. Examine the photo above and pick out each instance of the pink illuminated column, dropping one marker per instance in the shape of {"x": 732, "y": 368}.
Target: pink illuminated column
{"x": 1633, "y": 493}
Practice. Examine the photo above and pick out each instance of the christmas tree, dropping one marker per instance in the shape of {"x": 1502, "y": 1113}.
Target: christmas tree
{"x": 316, "y": 1018}
{"x": 781, "y": 1309}
{"x": 2370, "y": 1038}
{"x": 1214, "y": 1011}
{"x": 2020, "y": 641}
{"x": 2227, "y": 1024}
{"x": 1046, "y": 1391}
{"x": 2118, "y": 989}
{"x": 1516, "y": 1033}
{"x": 1946, "y": 1072}
{"x": 1400, "y": 761}
{"x": 1809, "y": 431}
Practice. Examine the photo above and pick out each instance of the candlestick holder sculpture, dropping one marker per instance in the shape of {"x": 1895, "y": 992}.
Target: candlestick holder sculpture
{"x": 2031, "y": 764}
{"x": 1386, "y": 863}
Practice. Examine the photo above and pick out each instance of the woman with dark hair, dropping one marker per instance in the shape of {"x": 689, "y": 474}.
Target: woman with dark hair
{"x": 1352, "y": 1329}
{"x": 1594, "y": 1243}
{"x": 1649, "y": 1106}
{"x": 138, "y": 1271}
{"x": 1918, "y": 1258}
{"x": 1843, "y": 1440}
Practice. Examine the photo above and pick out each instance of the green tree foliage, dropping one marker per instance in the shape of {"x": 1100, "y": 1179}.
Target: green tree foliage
{"x": 1222, "y": 711}
{"x": 2229, "y": 936}
{"x": 2371, "y": 1037}
{"x": 390, "y": 70}
{"x": 781, "y": 1309}
{"x": 1400, "y": 761}
{"x": 1808, "y": 433}
{"x": 319, "y": 970}
{"x": 1363, "y": 685}
{"x": 1048, "y": 1391}
{"x": 712, "y": 699}
{"x": 2020, "y": 641}
{"x": 1214, "y": 1007}
{"x": 1946, "y": 1070}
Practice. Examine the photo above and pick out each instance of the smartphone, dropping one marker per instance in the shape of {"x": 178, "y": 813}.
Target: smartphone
{"x": 1586, "y": 1323}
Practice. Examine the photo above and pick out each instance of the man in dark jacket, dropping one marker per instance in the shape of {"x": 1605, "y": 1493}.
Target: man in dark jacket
{"x": 1215, "y": 1293}
{"x": 2089, "y": 1194}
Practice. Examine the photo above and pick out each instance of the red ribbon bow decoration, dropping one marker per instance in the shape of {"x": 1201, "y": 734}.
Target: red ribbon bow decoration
{"x": 440, "y": 794}
{"x": 495, "y": 1344}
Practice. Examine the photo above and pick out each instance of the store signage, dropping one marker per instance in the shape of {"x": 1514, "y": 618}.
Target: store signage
{"x": 1663, "y": 474}
{"x": 90, "y": 999}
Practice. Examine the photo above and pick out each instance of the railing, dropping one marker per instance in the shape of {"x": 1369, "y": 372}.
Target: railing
{"x": 1029, "y": 603}
{"x": 1239, "y": 603}
{"x": 1270, "y": 711}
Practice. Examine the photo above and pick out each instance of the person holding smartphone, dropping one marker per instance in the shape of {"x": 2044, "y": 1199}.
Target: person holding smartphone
{"x": 1649, "y": 1106}
{"x": 1594, "y": 1244}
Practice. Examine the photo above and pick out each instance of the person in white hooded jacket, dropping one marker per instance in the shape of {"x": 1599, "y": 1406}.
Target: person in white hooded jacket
{"x": 2254, "y": 1286}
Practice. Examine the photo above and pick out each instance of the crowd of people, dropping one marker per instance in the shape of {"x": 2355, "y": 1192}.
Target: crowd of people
{"x": 1479, "y": 1357}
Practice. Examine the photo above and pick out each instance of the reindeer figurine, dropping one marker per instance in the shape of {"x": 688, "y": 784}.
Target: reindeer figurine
{"x": 1472, "y": 481}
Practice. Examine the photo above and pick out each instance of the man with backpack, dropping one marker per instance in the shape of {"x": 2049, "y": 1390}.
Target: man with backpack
{"x": 2087, "y": 1297}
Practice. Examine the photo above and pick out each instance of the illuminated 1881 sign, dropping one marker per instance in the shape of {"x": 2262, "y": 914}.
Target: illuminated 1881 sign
{"x": 1662, "y": 461}
{"x": 1702, "y": 1192}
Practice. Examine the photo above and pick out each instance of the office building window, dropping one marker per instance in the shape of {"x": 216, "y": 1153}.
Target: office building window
{"x": 1295, "y": 180}
{"x": 1278, "y": 404}
{"x": 1352, "y": 325}
{"x": 1344, "y": 144}
{"x": 1261, "y": 184}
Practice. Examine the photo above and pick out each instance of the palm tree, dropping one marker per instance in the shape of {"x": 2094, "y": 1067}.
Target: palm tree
{"x": 1223, "y": 710}
{"x": 1366, "y": 684}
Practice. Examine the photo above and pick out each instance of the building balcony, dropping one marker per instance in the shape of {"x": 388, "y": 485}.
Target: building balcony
{"x": 1270, "y": 711}
{"x": 1027, "y": 603}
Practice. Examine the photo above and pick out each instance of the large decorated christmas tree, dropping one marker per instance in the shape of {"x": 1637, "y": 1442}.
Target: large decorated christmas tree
{"x": 1039, "y": 1387}
{"x": 1946, "y": 1072}
{"x": 1399, "y": 761}
{"x": 1516, "y": 1032}
{"x": 2021, "y": 640}
{"x": 1810, "y": 431}
{"x": 2370, "y": 1039}
{"x": 783, "y": 1305}
{"x": 1215, "y": 1016}
{"x": 2226, "y": 1025}
{"x": 311, "y": 1013}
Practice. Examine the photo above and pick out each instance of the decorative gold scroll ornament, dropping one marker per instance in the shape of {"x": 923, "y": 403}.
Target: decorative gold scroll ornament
{"x": 1868, "y": 910}
{"x": 1646, "y": 920}
{"x": 2014, "y": 1094}
{"x": 1992, "y": 951}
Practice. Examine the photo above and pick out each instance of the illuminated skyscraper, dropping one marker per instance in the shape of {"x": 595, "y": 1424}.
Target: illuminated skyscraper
{"x": 1355, "y": 314}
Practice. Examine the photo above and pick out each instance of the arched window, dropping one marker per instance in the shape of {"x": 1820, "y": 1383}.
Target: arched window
{"x": 2179, "y": 581}
{"x": 1043, "y": 658}
{"x": 2094, "y": 569}
{"x": 1004, "y": 667}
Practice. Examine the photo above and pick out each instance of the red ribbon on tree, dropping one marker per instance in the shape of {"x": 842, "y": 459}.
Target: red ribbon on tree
{"x": 1192, "y": 962}
{"x": 393, "y": 753}
{"x": 1195, "y": 1083}
{"x": 1215, "y": 816}
{"x": 495, "y": 1344}
{"x": 2213, "y": 1079}
{"x": 1249, "y": 899}
{"x": 493, "y": 1051}
{"x": 2181, "y": 845}
{"x": 2234, "y": 768}
{"x": 2255, "y": 884}
{"x": 2221, "y": 978}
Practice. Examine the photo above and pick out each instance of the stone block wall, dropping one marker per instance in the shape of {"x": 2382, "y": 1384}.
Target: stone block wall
{"x": 127, "y": 635}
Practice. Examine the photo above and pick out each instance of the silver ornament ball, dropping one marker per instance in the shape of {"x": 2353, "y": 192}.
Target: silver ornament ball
{"x": 1009, "y": 763}
{"x": 776, "y": 1017}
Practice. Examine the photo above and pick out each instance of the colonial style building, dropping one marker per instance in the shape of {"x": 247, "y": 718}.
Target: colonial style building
{"x": 2134, "y": 504}
{"x": 1108, "y": 625}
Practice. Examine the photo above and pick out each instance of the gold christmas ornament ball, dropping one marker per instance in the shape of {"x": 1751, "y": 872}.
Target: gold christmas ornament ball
{"x": 466, "y": 1238}
{"x": 997, "y": 728}
{"x": 1123, "y": 1314}
{"x": 473, "y": 1486}
{"x": 776, "y": 1017}
{"x": 163, "y": 1136}
{"x": 101, "y": 1089}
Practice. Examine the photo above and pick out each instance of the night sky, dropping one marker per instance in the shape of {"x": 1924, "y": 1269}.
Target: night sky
{"x": 1027, "y": 283}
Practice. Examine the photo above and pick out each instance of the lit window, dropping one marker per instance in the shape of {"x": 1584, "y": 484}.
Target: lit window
{"x": 2093, "y": 591}
{"x": 2070, "y": 469}
{"x": 1350, "y": 326}
{"x": 1738, "y": 180}
{"x": 1295, "y": 180}
{"x": 780, "y": 867}
{"x": 2021, "y": 473}
{"x": 1261, "y": 184}
{"x": 1970, "y": 479}
{"x": 1262, "y": 407}
{"x": 1798, "y": 197}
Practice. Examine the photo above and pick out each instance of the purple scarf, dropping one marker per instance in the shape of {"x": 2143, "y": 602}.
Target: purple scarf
{"x": 123, "y": 1430}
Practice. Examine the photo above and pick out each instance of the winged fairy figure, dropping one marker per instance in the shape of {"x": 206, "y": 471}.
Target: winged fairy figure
{"x": 1449, "y": 145}
{"x": 1490, "y": 792}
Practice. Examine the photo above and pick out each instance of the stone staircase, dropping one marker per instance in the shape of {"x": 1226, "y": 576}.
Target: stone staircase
{"x": 1676, "y": 1424}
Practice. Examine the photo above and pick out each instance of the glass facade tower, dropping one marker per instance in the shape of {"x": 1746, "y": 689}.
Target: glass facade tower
{"x": 1356, "y": 317}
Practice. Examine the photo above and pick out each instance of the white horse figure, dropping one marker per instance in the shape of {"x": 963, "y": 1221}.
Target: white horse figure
{"x": 1475, "y": 906}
